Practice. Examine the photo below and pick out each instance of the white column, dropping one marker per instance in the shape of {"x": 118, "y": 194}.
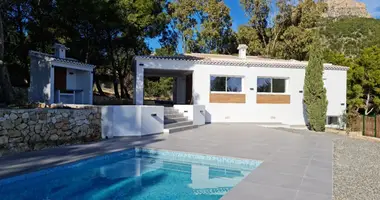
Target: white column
{"x": 138, "y": 86}
{"x": 181, "y": 90}
{"x": 175, "y": 90}
{"x": 91, "y": 87}
{"x": 51, "y": 95}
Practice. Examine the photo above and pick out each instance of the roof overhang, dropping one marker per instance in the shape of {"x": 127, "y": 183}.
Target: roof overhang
{"x": 242, "y": 63}
{"x": 83, "y": 67}
{"x": 60, "y": 62}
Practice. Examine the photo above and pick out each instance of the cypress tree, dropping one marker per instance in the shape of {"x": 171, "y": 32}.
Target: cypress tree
{"x": 315, "y": 98}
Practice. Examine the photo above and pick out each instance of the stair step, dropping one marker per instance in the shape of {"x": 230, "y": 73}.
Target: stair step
{"x": 174, "y": 120}
{"x": 171, "y": 112}
{"x": 172, "y": 116}
{"x": 180, "y": 128}
{"x": 177, "y": 124}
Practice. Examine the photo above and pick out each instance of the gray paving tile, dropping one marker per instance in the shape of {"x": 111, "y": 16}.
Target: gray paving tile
{"x": 301, "y": 195}
{"x": 283, "y": 168}
{"x": 326, "y": 145}
{"x": 319, "y": 173}
{"x": 300, "y": 149}
{"x": 248, "y": 191}
{"x": 288, "y": 161}
{"x": 271, "y": 178}
{"x": 294, "y": 154}
{"x": 316, "y": 186}
{"x": 321, "y": 164}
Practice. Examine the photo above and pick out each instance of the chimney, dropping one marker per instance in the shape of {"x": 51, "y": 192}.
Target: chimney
{"x": 242, "y": 51}
{"x": 60, "y": 50}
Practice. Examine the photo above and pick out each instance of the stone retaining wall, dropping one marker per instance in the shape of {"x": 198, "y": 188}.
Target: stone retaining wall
{"x": 34, "y": 129}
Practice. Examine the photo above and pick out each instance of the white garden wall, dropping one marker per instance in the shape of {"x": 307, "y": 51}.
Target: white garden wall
{"x": 132, "y": 120}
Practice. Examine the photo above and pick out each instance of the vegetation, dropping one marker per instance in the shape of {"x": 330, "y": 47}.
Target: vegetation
{"x": 349, "y": 36}
{"x": 314, "y": 91}
{"x": 354, "y": 42}
{"x": 290, "y": 35}
{"x": 105, "y": 33}
{"x": 5, "y": 84}
{"x": 203, "y": 26}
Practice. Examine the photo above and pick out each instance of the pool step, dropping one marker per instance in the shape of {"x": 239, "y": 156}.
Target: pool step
{"x": 174, "y": 121}
{"x": 180, "y": 128}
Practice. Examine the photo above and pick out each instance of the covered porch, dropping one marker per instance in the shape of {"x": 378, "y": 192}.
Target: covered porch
{"x": 71, "y": 84}
{"x": 182, "y": 92}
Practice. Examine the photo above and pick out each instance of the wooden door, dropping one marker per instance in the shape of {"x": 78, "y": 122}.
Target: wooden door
{"x": 60, "y": 78}
{"x": 189, "y": 89}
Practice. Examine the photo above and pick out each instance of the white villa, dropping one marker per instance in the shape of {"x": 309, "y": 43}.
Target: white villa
{"x": 242, "y": 88}
{"x": 58, "y": 79}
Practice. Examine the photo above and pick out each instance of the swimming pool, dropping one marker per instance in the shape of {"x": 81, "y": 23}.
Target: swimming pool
{"x": 133, "y": 174}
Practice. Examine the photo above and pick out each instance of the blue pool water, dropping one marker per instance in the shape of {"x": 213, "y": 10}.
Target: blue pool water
{"x": 134, "y": 174}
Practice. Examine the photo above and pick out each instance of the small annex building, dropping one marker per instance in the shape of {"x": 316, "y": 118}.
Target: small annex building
{"x": 58, "y": 79}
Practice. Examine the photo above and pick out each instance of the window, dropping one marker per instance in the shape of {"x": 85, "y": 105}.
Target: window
{"x": 271, "y": 85}
{"x": 225, "y": 84}
{"x": 332, "y": 120}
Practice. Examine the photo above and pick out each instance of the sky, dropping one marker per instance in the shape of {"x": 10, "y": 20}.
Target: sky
{"x": 239, "y": 18}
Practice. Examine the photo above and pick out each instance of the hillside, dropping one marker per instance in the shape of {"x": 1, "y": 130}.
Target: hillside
{"x": 349, "y": 36}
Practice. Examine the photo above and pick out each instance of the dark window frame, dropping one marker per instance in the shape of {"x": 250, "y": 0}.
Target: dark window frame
{"x": 271, "y": 85}
{"x": 332, "y": 120}
{"x": 226, "y": 88}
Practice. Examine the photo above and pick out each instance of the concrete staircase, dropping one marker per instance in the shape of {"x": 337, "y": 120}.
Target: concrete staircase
{"x": 175, "y": 121}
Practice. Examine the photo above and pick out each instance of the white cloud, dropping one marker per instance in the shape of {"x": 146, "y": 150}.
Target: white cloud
{"x": 373, "y": 7}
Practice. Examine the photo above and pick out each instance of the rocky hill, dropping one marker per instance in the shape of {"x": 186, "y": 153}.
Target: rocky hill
{"x": 345, "y": 8}
{"x": 350, "y": 35}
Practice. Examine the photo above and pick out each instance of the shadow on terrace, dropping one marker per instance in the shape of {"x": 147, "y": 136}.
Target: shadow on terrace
{"x": 25, "y": 162}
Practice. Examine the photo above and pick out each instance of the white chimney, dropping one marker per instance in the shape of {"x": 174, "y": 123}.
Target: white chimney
{"x": 242, "y": 51}
{"x": 60, "y": 50}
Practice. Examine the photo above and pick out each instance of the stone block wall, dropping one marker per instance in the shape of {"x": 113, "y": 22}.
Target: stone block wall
{"x": 35, "y": 129}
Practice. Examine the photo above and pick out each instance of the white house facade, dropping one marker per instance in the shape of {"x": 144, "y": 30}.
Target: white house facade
{"x": 242, "y": 88}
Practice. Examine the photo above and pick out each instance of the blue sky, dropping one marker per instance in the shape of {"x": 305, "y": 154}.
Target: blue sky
{"x": 239, "y": 18}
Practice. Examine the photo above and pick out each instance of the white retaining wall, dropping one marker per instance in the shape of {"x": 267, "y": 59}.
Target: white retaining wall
{"x": 132, "y": 120}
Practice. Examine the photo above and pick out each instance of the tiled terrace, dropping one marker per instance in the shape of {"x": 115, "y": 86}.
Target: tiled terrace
{"x": 296, "y": 165}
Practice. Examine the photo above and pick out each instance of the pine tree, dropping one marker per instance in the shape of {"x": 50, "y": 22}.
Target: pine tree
{"x": 314, "y": 91}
